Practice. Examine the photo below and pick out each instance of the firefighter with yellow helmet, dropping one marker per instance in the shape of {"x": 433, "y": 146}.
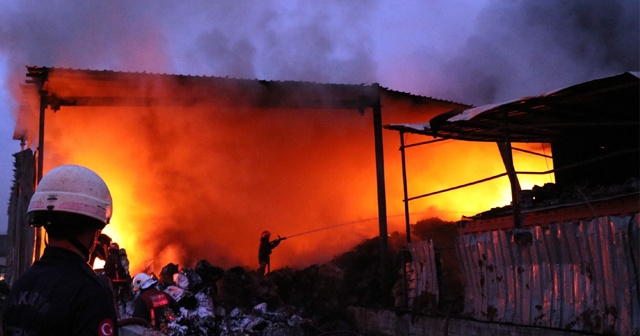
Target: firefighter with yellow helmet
{"x": 61, "y": 294}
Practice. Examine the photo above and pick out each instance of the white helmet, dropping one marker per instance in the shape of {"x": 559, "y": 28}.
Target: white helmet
{"x": 71, "y": 189}
{"x": 143, "y": 281}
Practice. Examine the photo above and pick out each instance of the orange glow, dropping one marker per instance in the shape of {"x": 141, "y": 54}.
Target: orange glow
{"x": 204, "y": 182}
{"x": 443, "y": 165}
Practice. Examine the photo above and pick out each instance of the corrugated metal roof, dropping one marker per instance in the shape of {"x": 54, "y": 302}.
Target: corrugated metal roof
{"x": 74, "y": 87}
{"x": 596, "y": 106}
{"x": 105, "y": 88}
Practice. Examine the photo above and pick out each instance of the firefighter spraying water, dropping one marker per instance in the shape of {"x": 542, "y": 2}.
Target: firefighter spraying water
{"x": 267, "y": 246}
{"x": 264, "y": 251}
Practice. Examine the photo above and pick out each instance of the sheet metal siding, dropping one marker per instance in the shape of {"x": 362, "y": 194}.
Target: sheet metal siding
{"x": 424, "y": 266}
{"x": 579, "y": 275}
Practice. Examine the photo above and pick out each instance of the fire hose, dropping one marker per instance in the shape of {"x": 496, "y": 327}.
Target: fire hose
{"x": 329, "y": 227}
{"x": 338, "y": 225}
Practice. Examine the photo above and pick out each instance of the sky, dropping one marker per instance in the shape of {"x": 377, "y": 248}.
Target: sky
{"x": 468, "y": 51}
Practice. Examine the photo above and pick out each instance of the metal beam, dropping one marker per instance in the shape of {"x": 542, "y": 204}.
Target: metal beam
{"x": 382, "y": 201}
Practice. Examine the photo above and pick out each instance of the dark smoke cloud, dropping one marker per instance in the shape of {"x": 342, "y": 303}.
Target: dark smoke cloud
{"x": 323, "y": 42}
{"x": 521, "y": 48}
{"x": 516, "y": 47}
{"x": 295, "y": 41}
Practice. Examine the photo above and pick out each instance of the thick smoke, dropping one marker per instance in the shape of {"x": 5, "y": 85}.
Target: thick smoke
{"x": 481, "y": 53}
{"x": 523, "y": 48}
{"x": 505, "y": 50}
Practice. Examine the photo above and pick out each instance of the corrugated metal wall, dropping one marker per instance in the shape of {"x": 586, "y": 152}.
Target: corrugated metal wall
{"x": 424, "y": 280}
{"x": 20, "y": 235}
{"x": 579, "y": 276}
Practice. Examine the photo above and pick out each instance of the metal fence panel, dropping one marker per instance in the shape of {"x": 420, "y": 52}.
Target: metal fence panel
{"x": 424, "y": 266}
{"x": 575, "y": 275}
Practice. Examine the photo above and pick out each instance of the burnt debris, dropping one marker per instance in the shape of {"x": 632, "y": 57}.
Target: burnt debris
{"x": 310, "y": 301}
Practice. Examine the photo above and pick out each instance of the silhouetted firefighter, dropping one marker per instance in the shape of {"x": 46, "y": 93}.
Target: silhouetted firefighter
{"x": 101, "y": 250}
{"x": 264, "y": 252}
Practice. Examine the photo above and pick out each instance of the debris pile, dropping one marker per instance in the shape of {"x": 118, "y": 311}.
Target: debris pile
{"x": 550, "y": 195}
{"x": 311, "y": 301}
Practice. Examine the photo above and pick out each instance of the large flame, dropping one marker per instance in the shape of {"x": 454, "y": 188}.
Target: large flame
{"x": 193, "y": 183}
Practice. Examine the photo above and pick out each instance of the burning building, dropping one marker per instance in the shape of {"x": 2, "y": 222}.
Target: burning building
{"x": 199, "y": 166}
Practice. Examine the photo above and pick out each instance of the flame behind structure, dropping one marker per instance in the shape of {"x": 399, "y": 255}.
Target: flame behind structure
{"x": 197, "y": 173}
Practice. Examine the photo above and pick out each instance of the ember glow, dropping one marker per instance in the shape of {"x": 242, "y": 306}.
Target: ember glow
{"x": 196, "y": 182}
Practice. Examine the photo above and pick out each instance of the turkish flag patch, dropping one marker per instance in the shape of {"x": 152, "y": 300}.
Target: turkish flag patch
{"x": 105, "y": 328}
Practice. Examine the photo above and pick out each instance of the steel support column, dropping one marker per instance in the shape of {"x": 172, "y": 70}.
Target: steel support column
{"x": 43, "y": 107}
{"x": 507, "y": 158}
{"x": 407, "y": 220}
{"x": 382, "y": 201}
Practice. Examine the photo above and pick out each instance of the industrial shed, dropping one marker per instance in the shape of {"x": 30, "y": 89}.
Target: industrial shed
{"x": 564, "y": 255}
{"x": 61, "y": 91}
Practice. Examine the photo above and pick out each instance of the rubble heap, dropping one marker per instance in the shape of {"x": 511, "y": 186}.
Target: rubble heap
{"x": 311, "y": 301}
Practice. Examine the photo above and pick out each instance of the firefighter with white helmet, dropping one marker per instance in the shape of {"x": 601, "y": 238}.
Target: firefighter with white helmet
{"x": 153, "y": 305}
{"x": 61, "y": 294}
{"x": 142, "y": 281}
